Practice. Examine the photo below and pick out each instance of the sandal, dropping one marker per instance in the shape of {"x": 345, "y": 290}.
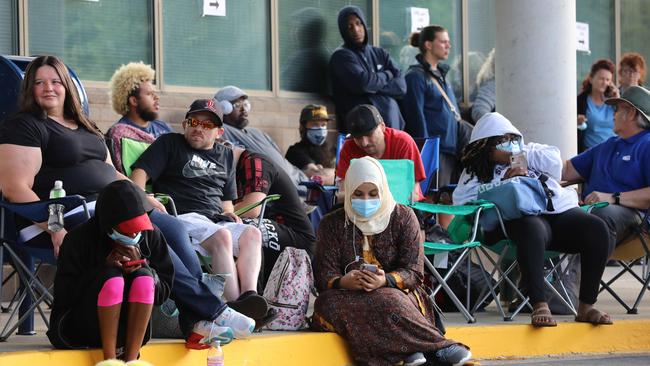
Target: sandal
{"x": 595, "y": 317}
{"x": 542, "y": 317}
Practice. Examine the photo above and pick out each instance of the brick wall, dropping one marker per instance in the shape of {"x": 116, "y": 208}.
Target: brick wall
{"x": 276, "y": 116}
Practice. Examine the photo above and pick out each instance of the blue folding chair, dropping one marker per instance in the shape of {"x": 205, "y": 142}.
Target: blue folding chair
{"x": 430, "y": 154}
{"x": 32, "y": 292}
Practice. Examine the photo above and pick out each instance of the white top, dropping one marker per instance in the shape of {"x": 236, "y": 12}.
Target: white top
{"x": 542, "y": 159}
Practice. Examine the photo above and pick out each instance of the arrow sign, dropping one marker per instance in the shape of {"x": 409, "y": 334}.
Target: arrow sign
{"x": 214, "y": 8}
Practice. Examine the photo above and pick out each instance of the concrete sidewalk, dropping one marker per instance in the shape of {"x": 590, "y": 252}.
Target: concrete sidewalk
{"x": 490, "y": 337}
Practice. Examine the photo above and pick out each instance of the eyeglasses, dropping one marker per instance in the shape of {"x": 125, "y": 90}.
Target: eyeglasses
{"x": 628, "y": 71}
{"x": 515, "y": 139}
{"x": 205, "y": 123}
{"x": 242, "y": 104}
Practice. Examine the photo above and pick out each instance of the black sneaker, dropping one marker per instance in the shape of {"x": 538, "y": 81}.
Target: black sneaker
{"x": 454, "y": 355}
{"x": 250, "y": 304}
{"x": 269, "y": 317}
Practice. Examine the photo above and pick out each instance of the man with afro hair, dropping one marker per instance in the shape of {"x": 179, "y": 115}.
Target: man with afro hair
{"x": 134, "y": 98}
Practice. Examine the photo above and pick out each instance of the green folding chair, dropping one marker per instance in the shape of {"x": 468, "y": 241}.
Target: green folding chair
{"x": 507, "y": 251}
{"x": 401, "y": 181}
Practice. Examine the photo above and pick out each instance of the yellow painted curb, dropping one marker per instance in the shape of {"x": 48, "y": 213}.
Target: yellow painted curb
{"x": 489, "y": 342}
{"x": 325, "y": 349}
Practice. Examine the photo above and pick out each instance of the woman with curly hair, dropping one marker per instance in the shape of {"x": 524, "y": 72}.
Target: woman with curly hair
{"x": 565, "y": 228}
{"x": 631, "y": 71}
{"x": 595, "y": 118}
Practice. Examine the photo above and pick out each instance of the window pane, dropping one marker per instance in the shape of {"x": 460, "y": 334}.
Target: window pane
{"x": 215, "y": 51}
{"x": 309, "y": 33}
{"x": 599, "y": 14}
{"x": 8, "y": 33}
{"x": 395, "y": 23}
{"x": 92, "y": 37}
{"x": 635, "y": 17}
{"x": 482, "y": 38}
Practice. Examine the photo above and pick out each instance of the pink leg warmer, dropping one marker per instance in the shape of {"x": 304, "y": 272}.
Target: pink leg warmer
{"x": 142, "y": 290}
{"x": 112, "y": 292}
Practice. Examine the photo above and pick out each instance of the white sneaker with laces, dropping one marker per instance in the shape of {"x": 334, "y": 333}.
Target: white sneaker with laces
{"x": 242, "y": 326}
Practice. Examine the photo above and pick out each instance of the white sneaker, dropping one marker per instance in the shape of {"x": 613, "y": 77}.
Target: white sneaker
{"x": 205, "y": 332}
{"x": 242, "y": 326}
{"x": 415, "y": 359}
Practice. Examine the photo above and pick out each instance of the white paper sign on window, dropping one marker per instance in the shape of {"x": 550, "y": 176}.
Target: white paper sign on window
{"x": 419, "y": 18}
{"x": 582, "y": 37}
{"x": 215, "y": 8}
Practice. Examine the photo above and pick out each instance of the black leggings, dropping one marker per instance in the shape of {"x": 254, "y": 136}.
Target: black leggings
{"x": 573, "y": 231}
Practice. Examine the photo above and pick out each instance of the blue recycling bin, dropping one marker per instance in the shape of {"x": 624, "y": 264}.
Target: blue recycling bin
{"x": 12, "y": 72}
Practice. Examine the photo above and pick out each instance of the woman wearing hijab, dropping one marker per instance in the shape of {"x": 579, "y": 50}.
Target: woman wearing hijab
{"x": 566, "y": 229}
{"x": 382, "y": 311}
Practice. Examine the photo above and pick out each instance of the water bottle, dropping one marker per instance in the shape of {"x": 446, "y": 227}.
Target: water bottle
{"x": 55, "y": 210}
{"x": 215, "y": 354}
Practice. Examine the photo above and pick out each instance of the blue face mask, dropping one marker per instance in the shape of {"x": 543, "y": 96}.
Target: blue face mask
{"x": 124, "y": 239}
{"x": 509, "y": 146}
{"x": 366, "y": 208}
{"x": 317, "y": 135}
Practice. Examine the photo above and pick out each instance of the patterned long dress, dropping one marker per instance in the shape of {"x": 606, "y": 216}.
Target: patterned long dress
{"x": 384, "y": 326}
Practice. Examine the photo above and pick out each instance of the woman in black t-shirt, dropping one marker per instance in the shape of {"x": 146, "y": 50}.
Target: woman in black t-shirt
{"x": 51, "y": 139}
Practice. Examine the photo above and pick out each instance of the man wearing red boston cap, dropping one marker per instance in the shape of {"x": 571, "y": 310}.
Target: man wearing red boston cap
{"x": 99, "y": 298}
{"x": 200, "y": 176}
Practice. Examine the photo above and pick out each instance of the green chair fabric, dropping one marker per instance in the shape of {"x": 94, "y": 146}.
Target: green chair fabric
{"x": 131, "y": 151}
{"x": 401, "y": 181}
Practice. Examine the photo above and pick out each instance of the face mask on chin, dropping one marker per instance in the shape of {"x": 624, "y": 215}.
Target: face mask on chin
{"x": 125, "y": 239}
{"x": 365, "y": 208}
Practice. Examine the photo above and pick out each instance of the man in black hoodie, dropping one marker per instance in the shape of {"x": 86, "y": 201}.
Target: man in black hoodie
{"x": 363, "y": 74}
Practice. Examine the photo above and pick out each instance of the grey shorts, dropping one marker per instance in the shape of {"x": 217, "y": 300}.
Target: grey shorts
{"x": 200, "y": 228}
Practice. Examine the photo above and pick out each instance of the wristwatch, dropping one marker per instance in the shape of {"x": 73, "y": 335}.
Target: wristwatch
{"x": 617, "y": 198}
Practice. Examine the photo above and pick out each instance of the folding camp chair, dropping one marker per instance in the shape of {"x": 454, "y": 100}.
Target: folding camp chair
{"x": 507, "y": 251}
{"x": 632, "y": 252}
{"x": 327, "y": 197}
{"x": 32, "y": 292}
{"x": 401, "y": 180}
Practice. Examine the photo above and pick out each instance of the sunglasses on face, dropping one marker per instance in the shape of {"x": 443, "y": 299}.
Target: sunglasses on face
{"x": 205, "y": 123}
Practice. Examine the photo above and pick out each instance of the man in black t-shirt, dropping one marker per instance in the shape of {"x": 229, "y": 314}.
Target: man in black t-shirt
{"x": 285, "y": 222}
{"x": 199, "y": 175}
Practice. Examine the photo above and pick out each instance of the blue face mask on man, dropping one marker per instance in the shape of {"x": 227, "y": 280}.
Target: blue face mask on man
{"x": 317, "y": 135}
{"x": 366, "y": 208}
{"x": 510, "y": 146}
{"x": 124, "y": 239}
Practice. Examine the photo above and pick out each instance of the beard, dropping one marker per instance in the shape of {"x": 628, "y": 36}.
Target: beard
{"x": 147, "y": 115}
{"x": 239, "y": 123}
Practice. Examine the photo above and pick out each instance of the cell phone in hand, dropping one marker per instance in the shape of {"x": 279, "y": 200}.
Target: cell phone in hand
{"x": 519, "y": 161}
{"x": 369, "y": 267}
{"x": 134, "y": 263}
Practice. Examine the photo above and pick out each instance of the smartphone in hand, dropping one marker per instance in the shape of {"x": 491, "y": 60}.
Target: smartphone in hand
{"x": 134, "y": 263}
{"x": 519, "y": 161}
{"x": 369, "y": 267}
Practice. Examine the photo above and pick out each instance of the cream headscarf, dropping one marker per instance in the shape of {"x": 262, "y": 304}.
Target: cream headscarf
{"x": 368, "y": 170}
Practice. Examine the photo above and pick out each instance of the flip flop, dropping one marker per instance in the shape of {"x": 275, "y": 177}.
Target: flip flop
{"x": 595, "y": 317}
{"x": 542, "y": 317}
